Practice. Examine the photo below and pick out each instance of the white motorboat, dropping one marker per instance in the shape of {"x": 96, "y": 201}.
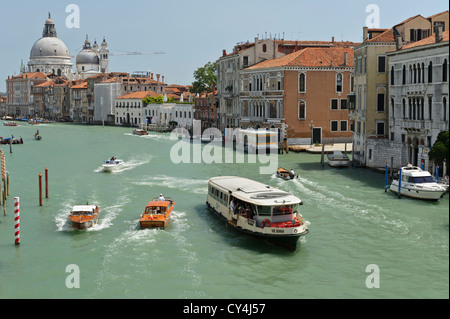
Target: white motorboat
{"x": 112, "y": 164}
{"x": 338, "y": 159}
{"x": 417, "y": 183}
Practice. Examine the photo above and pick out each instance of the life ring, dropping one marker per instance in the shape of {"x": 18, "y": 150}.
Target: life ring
{"x": 265, "y": 223}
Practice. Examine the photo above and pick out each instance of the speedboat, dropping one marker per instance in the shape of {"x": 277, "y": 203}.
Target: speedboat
{"x": 140, "y": 132}
{"x": 257, "y": 209}
{"x": 113, "y": 164}
{"x": 416, "y": 183}
{"x": 285, "y": 174}
{"x": 84, "y": 216}
{"x": 338, "y": 159}
{"x": 157, "y": 213}
{"x": 13, "y": 123}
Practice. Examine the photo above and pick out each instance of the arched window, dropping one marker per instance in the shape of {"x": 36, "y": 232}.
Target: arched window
{"x": 392, "y": 75}
{"x": 444, "y": 109}
{"x": 301, "y": 110}
{"x": 404, "y": 109}
{"x": 339, "y": 82}
{"x": 404, "y": 75}
{"x": 302, "y": 82}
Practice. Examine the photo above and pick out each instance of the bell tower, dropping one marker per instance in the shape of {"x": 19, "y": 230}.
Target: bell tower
{"x": 104, "y": 57}
{"x": 49, "y": 28}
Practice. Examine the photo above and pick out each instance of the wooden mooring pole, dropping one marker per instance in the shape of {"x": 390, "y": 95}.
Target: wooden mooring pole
{"x": 46, "y": 182}
{"x": 40, "y": 189}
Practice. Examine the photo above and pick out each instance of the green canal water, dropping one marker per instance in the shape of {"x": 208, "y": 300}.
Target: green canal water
{"x": 353, "y": 224}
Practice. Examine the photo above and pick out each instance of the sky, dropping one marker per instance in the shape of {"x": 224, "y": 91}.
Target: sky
{"x": 190, "y": 33}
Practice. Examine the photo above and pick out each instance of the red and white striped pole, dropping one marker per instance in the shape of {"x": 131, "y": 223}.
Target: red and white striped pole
{"x": 17, "y": 220}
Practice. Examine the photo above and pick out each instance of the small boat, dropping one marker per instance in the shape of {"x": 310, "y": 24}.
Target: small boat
{"x": 157, "y": 213}
{"x": 338, "y": 159}
{"x": 84, "y": 216}
{"x": 13, "y": 123}
{"x": 417, "y": 183}
{"x": 257, "y": 209}
{"x": 140, "y": 132}
{"x": 11, "y": 141}
{"x": 37, "y": 137}
{"x": 113, "y": 164}
{"x": 285, "y": 174}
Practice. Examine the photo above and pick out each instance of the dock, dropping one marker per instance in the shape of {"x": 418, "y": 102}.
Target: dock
{"x": 317, "y": 148}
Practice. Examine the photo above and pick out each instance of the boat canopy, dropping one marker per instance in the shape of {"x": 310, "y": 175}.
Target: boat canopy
{"x": 84, "y": 208}
{"x": 159, "y": 204}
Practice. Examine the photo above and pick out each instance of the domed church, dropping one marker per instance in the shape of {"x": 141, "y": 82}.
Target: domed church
{"x": 49, "y": 54}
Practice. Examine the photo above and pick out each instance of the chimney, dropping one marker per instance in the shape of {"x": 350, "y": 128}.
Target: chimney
{"x": 346, "y": 58}
{"x": 157, "y": 77}
{"x": 438, "y": 33}
{"x": 365, "y": 33}
{"x": 163, "y": 79}
{"x": 398, "y": 42}
{"x": 151, "y": 76}
{"x": 332, "y": 39}
{"x": 224, "y": 52}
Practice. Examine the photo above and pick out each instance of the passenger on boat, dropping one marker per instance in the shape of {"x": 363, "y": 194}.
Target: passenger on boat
{"x": 161, "y": 198}
{"x": 232, "y": 206}
{"x": 292, "y": 173}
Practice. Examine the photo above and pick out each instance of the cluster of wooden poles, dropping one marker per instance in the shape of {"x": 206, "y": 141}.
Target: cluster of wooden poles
{"x": 4, "y": 193}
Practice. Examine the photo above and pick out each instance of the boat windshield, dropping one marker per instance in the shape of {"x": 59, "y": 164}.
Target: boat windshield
{"x": 154, "y": 210}
{"x": 420, "y": 179}
{"x": 283, "y": 210}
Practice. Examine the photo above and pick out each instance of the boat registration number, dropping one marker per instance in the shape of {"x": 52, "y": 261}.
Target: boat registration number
{"x": 277, "y": 231}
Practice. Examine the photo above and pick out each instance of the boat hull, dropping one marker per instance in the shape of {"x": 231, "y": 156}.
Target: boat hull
{"x": 419, "y": 193}
{"x": 287, "y": 237}
{"x": 85, "y": 224}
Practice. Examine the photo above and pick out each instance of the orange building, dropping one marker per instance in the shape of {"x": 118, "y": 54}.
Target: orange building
{"x": 302, "y": 94}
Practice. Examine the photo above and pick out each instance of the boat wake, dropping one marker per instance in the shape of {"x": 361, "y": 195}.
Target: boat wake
{"x": 152, "y": 136}
{"x": 185, "y": 184}
{"x": 128, "y": 165}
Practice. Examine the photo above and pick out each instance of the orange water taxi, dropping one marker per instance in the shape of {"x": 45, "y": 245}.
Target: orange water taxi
{"x": 83, "y": 216}
{"x": 157, "y": 213}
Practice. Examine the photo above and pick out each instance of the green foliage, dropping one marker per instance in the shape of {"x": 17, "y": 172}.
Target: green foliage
{"x": 205, "y": 78}
{"x": 439, "y": 151}
{"x": 156, "y": 100}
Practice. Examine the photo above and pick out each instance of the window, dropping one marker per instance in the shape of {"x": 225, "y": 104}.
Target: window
{"x": 264, "y": 47}
{"x": 444, "y": 71}
{"x": 444, "y": 106}
{"x": 343, "y": 126}
{"x": 334, "y": 104}
{"x": 339, "y": 82}
{"x": 430, "y": 72}
{"x": 302, "y": 82}
{"x": 334, "y": 126}
{"x": 380, "y": 102}
{"x": 381, "y": 64}
{"x": 392, "y": 76}
{"x": 404, "y": 108}
{"x": 301, "y": 110}
{"x": 245, "y": 61}
{"x": 380, "y": 128}
{"x": 404, "y": 75}
{"x": 430, "y": 107}
{"x": 343, "y": 104}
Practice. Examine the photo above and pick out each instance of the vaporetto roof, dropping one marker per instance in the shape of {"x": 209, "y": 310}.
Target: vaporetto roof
{"x": 254, "y": 192}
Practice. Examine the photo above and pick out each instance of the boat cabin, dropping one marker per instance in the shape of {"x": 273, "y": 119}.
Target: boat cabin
{"x": 157, "y": 207}
{"x": 84, "y": 210}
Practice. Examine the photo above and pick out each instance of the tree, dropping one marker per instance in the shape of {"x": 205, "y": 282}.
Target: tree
{"x": 205, "y": 79}
{"x": 439, "y": 150}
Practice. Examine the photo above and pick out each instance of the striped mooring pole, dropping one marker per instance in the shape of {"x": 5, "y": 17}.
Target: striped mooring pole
{"x": 17, "y": 220}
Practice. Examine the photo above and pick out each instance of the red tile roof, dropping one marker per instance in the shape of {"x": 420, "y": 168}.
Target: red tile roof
{"x": 32, "y": 75}
{"x": 311, "y": 57}
{"x": 138, "y": 95}
{"x": 426, "y": 41}
{"x": 386, "y": 36}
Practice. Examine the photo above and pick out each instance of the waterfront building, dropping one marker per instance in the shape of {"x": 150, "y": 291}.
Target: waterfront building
{"x": 244, "y": 55}
{"x": 302, "y": 95}
{"x": 3, "y": 108}
{"x": 418, "y": 98}
{"x": 129, "y": 108}
{"x": 57, "y": 99}
{"x": 104, "y": 95}
{"x": 78, "y": 102}
{"x": 370, "y": 102}
{"x": 19, "y": 88}
{"x": 206, "y": 110}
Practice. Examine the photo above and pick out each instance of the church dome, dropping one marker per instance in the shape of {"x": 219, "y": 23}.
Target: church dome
{"x": 88, "y": 55}
{"x": 49, "y": 47}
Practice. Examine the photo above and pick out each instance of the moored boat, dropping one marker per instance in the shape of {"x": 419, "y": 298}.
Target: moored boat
{"x": 84, "y": 216}
{"x": 416, "y": 183}
{"x": 157, "y": 213}
{"x": 11, "y": 140}
{"x": 112, "y": 164}
{"x": 140, "y": 132}
{"x": 11, "y": 123}
{"x": 285, "y": 174}
{"x": 257, "y": 209}
{"x": 338, "y": 159}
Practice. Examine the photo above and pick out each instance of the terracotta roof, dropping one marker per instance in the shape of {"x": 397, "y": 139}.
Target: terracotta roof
{"x": 138, "y": 95}
{"x": 386, "y": 36}
{"x": 45, "y": 84}
{"x": 31, "y": 75}
{"x": 426, "y": 41}
{"x": 311, "y": 57}
{"x": 82, "y": 85}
